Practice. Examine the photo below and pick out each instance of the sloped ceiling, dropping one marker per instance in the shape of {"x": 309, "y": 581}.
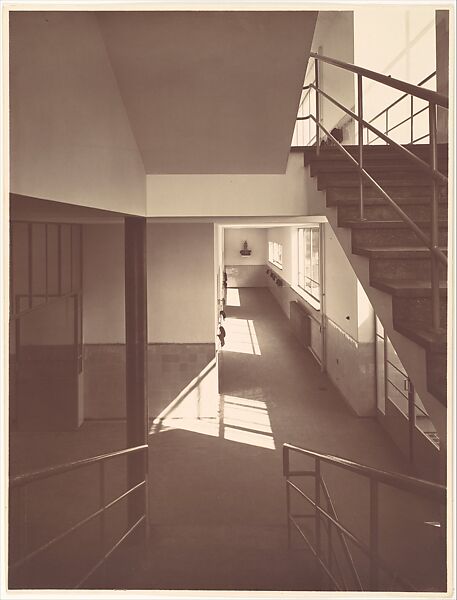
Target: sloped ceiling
{"x": 210, "y": 92}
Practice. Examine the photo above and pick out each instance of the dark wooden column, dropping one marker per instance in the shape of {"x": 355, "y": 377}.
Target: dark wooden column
{"x": 136, "y": 358}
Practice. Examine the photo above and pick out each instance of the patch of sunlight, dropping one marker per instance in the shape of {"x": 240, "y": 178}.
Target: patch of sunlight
{"x": 233, "y": 297}
{"x": 247, "y": 421}
{"x": 249, "y": 418}
{"x": 241, "y": 337}
{"x": 245, "y": 402}
{"x": 249, "y": 437}
{"x": 203, "y": 426}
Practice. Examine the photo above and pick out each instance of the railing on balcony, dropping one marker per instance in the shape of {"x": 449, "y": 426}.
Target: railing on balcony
{"x": 437, "y": 179}
{"x": 336, "y": 561}
{"x": 19, "y": 570}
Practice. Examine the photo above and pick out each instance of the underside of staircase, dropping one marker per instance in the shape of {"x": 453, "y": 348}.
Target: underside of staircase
{"x": 399, "y": 263}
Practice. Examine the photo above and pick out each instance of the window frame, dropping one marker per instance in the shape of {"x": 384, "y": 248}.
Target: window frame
{"x": 307, "y": 268}
{"x": 275, "y": 254}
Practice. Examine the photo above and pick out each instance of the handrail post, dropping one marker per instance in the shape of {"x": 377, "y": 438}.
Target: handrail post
{"x": 317, "y": 499}
{"x": 318, "y": 110}
{"x": 360, "y": 139}
{"x": 102, "y": 515}
{"x": 285, "y": 471}
{"x": 373, "y": 534}
{"x": 435, "y": 277}
{"x": 411, "y": 419}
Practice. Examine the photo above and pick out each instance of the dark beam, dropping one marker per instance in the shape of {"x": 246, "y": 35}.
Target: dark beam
{"x": 136, "y": 357}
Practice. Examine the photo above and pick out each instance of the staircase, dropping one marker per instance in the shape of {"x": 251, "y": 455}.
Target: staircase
{"x": 399, "y": 263}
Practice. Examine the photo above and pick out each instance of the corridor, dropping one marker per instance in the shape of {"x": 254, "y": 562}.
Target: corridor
{"x": 217, "y": 499}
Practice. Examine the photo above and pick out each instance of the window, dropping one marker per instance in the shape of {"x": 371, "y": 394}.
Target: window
{"x": 308, "y": 261}
{"x": 275, "y": 253}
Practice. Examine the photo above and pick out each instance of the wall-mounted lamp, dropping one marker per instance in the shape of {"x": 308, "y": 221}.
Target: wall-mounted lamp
{"x": 245, "y": 250}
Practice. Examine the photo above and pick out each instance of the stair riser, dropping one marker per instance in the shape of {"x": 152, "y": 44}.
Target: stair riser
{"x": 378, "y": 212}
{"x": 385, "y": 180}
{"x": 403, "y": 196}
{"x": 384, "y": 238}
{"x": 403, "y": 268}
{"x": 372, "y": 167}
{"x": 417, "y": 310}
{"x": 374, "y": 153}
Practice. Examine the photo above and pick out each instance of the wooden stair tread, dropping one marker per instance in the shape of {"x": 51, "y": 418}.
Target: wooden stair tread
{"x": 393, "y": 252}
{"x": 414, "y": 288}
{"x": 426, "y": 337}
{"x": 388, "y": 224}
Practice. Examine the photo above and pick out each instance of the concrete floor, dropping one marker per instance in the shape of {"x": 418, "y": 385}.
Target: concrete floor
{"x": 217, "y": 496}
{"x": 217, "y": 502}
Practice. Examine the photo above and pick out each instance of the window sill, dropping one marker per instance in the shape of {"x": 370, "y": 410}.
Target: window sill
{"x": 277, "y": 265}
{"x": 307, "y": 297}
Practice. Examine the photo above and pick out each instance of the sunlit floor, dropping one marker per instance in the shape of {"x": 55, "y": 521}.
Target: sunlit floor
{"x": 217, "y": 501}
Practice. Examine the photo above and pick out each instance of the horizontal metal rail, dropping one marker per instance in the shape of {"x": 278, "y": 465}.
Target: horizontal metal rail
{"x": 428, "y": 489}
{"x": 413, "y": 157}
{"x": 408, "y": 88}
{"x": 365, "y": 549}
{"x": 21, "y": 480}
{"x": 110, "y": 552}
{"x": 74, "y": 527}
{"x": 402, "y": 97}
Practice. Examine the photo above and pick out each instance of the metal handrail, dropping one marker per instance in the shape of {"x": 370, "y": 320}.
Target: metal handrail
{"x": 26, "y": 478}
{"x": 434, "y": 100}
{"x": 398, "y": 84}
{"x": 427, "y": 489}
{"x": 435, "y": 491}
{"x": 421, "y": 83}
{"x": 20, "y": 482}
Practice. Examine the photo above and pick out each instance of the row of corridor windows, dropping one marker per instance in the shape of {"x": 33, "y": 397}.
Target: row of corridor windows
{"x": 306, "y": 268}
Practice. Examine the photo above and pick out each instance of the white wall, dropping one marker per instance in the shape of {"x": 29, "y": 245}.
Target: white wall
{"x": 103, "y": 284}
{"x": 70, "y": 136}
{"x": 228, "y": 195}
{"x": 257, "y": 243}
{"x": 181, "y": 290}
{"x": 334, "y": 37}
{"x": 398, "y": 41}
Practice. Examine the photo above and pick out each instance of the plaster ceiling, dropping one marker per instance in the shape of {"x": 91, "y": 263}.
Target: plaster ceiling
{"x": 210, "y": 92}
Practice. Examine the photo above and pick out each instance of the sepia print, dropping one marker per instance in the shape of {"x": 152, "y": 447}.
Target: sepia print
{"x": 228, "y": 306}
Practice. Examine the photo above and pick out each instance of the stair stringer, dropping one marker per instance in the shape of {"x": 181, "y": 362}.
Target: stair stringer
{"x": 412, "y": 355}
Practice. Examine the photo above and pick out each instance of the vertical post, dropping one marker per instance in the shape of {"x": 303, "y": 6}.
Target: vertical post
{"x": 360, "y": 139}
{"x": 435, "y": 277}
{"x": 373, "y": 535}
{"x": 285, "y": 472}
{"x": 136, "y": 360}
{"x": 30, "y": 263}
{"x": 411, "y": 419}
{"x": 318, "y": 108}
{"x": 102, "y": 517}
{"x": 412, "y": 119}
{"x": 317, "y": 497}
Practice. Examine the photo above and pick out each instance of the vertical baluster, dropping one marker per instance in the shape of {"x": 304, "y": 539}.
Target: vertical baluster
{"x": 285, "y": 471}
{"x": 412, "y": 119}
{"x": 411, "y": 419}
{"x": 22, "y": 525}
{"x": 30, "y": 263}
{"x": 435, "y": 279}
{"x": 318, "y": 111}
{"x": 317, "y": 484}
{"x": 102, "y": 519}
{"x": 373, "y": 535}
{"x": 360, "y": 139}
{"x": 329, "y": 539}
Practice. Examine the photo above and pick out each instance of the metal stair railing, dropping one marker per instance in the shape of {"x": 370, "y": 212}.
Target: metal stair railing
{"x": 21, "y": 483}
{"x": 329, "y": 518}
{"x": 434, "y": 100}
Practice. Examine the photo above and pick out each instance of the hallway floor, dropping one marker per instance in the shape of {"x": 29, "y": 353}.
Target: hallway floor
{"x": 217, "y": 501}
